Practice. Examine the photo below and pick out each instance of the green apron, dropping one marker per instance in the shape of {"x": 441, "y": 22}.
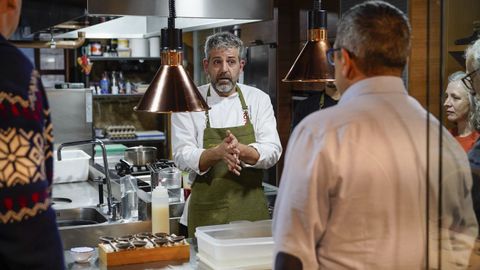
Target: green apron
{"x": 220, "y": 196}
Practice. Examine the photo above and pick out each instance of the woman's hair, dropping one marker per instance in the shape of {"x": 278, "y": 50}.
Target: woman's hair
{"x": 474, "y": 103}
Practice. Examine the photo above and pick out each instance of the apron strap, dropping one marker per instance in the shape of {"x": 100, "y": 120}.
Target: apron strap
{"x": 242, "y": 102}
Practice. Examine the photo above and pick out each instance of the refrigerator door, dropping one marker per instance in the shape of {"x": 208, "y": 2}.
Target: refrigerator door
{"x": 260, "y": 71}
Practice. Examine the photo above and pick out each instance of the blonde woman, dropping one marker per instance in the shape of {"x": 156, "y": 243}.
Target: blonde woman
{"x": 460, "y": 107}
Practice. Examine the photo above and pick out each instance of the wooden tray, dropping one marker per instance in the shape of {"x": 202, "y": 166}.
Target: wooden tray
{"x": 143, "y": 255}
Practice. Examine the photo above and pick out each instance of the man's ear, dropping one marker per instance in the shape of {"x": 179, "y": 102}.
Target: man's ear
{"x": 205, "y": 64}
{"x": 242, "y": 64}
{"x": 349, "y": 67}
{"x": 346, "y": 61}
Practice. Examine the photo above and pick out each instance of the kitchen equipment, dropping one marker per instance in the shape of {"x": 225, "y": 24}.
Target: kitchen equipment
{"x": 261, "y": 72}
{"x": 155, "y": 168}
{"x": 129, "y": 198}
{"x": 155, "y": 248}
{"x": 139, "y": 47}
{"x": 73, "y": 167}
{"x": 72, "y": 114}
{"x": 82, "y": 254}
{"x": 244, "y": 245}
{"x": 169, "y": 177}
{"x": 154, "y": 43}
{"x": 141, "y": 155}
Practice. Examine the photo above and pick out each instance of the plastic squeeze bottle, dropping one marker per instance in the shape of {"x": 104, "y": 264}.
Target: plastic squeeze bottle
{"x": 160, "y": 213}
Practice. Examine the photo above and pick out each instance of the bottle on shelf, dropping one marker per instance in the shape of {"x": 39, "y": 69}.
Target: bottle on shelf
{"x": 114, "y": 83}
{"x": 160, "y": 210}
{"x": 104, "y": 83}
{"x": 113, "y": 47}
{"x": 121, "y": 83}
{"x": 128, "y": 88}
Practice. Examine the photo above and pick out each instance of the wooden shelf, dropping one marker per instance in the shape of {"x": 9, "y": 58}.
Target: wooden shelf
{"x": 458, "y": 53}
{"x": 457, "y": 48}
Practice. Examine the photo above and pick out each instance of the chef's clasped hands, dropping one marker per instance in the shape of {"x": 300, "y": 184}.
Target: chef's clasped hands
{"x": 230, "y": 152}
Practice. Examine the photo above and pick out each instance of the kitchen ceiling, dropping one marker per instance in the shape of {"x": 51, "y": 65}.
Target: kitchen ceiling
{"x": 137, "y": 18}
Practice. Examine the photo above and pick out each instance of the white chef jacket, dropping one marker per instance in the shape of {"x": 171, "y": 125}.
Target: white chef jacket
{"x": 187, "y": 128}
{"x": 353, "y": 190}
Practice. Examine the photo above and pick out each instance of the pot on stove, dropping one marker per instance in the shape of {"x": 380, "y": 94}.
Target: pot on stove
{"x": 140, "y": 155}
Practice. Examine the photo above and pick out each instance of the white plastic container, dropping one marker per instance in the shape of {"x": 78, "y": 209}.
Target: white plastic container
{"x": 154, "y": 43}
{"x": 139, "y": 47}
{"x": 72, "y": 168}
{"x": 160, "y": 210}
{"x": 245, "y": 245}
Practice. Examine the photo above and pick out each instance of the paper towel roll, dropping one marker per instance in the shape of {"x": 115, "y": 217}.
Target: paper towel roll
{"x": 154, "y": 46}
{"x": 139, "y": 47}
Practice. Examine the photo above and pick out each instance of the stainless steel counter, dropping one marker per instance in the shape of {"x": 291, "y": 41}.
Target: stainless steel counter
{"x": 85, "y": 195}
{"x": 81, "y": 194}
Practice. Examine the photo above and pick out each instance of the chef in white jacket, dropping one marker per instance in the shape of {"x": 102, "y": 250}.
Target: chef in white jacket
{"x": 226, "y": 148}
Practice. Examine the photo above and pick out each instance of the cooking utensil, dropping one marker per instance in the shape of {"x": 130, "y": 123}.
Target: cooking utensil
{"x": 141, "y": 155}
{"x": 108, "y": 240}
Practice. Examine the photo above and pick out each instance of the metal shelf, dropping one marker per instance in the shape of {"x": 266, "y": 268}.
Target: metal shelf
{"x": 116, "y": 58}
{"x": 98, "y": 96}
{"x": 137, "y": 140}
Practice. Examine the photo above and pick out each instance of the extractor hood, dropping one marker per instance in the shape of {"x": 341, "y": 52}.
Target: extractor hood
{"x": 136, "y": 18}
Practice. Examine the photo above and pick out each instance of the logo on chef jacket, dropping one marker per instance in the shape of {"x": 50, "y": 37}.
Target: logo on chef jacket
{"x": 245, "y": 114}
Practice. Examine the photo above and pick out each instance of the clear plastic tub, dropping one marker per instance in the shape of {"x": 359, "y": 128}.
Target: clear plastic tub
{"x": 247, "y": 245}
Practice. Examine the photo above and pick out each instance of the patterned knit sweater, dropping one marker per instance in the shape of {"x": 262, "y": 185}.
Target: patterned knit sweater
{"x": 26, "y": 166}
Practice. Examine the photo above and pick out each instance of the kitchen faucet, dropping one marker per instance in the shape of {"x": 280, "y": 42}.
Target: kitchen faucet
{"x": 105, "y": 164}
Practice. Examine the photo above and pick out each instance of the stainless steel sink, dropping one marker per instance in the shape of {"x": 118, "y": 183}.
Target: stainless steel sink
{"x": 79, "y": 216}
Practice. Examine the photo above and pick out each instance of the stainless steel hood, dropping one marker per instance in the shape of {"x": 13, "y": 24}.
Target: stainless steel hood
{"x": 137, "y": 18}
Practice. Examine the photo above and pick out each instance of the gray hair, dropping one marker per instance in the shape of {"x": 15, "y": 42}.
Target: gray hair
{"x": 473, "y": 54}
{"x": 223, "y": 40}
{"x": 474, "y": 103}
{"x": 377, "y": 36}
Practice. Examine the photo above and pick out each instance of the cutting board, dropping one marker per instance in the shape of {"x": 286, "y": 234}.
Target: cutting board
{"x": 146, "y": 254}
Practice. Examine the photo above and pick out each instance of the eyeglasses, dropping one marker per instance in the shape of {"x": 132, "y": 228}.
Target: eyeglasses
{"x": 468, "y": 81}
{"x": 330, "y": 56}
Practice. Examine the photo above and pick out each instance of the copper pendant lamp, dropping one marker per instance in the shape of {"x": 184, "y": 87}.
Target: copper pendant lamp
{"x": 311, "y": 64}
{"x": 171, "y": 90}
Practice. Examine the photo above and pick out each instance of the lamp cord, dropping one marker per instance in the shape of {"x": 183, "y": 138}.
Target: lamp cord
{"x": 171, "y": 14}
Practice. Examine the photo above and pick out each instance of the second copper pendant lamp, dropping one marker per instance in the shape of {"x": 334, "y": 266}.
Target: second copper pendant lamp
{"x": 171, "y": 90}
{"x": 311, "y": 64}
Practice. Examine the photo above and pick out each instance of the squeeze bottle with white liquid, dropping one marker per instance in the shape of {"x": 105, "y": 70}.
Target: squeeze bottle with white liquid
{"x": 160, "y": 213}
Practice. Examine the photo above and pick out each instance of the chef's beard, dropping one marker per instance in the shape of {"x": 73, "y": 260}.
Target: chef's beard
{"x": 223, "y": 87}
